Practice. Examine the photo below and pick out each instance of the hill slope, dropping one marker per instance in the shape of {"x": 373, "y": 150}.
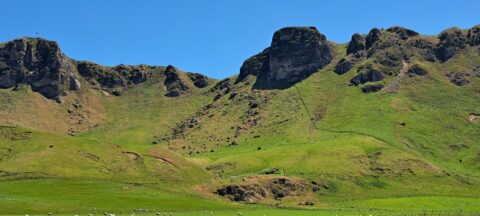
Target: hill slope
{"x": 392, "y": 118}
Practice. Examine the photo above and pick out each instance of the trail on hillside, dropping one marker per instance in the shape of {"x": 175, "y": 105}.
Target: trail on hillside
{"x": 394, "y": 86}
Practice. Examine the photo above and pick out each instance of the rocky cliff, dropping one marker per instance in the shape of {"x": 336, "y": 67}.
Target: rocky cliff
{"x": 294, "y": 54}
{"x": 39, "y": 63}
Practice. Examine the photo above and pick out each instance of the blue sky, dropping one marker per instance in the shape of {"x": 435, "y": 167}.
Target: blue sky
{"x": 211, "y": 37}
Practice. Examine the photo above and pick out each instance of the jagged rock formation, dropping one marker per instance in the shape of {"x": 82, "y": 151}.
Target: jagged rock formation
{"x": 199, "y": 80}
{"x": 255, "y": 65}
{"x": 389, "y": 48}
{"x": 114, "y": 79}
{"x": 356, "y": 44}
{"x": 295, "y": 53}
{"x": 175, "y": 85}
{"x": 39, "y": 63}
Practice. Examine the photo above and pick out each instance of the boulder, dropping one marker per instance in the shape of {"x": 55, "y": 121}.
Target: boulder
{"x": 372, "y": 88}
{"x": 367, "y": 74}
{"x": 343, "y": 66}
{"x": 416, "y": 70}
{"x": 295, "y": 53}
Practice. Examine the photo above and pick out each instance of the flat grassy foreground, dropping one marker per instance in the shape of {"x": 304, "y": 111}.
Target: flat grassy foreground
{"x": 77, "y": 196}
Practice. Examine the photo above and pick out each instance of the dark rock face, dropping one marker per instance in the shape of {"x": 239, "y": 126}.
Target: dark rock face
{"x": 343, "y": 66}
{"x": 356, "y": 44}
{"x": 451, "y": 41}
{"x": 39, "y": 63}
{"x": 403, "y": 33}
{"x": 474, "y": 35}
{"x": 255, "y": 65}
{"x": 222, "y": 88}
{"x": 223, "y": 85}
{"x": 372, "y": 88}
{"x": 367, "y": 74}
{"x": 174, "y": 85}
{"x": 199, "y": 80}
{"x": 295, "y": 53}
{"x": 416, "y": 70}
{"x": 372, "y": 37}
{"x": 113, "y": 79}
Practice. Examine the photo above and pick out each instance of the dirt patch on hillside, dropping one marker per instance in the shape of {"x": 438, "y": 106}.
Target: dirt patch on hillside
{"x": 132, "y": 155}
{"x": 474, "y": 117}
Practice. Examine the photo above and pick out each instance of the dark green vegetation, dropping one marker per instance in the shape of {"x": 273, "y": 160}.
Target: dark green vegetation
{"x": 164, "y": 141}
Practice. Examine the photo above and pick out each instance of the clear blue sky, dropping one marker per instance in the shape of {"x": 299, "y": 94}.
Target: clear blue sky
{"x": 211, "y": 37}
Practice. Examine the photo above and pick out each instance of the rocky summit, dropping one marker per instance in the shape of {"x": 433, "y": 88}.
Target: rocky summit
{"x": 294, "y": 54}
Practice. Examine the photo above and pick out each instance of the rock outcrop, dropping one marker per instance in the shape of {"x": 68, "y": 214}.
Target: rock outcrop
{"x": 255, "y": 65}
{"x": 199, "y": 80}
{"x": 114, "y": 79}
{"x": 40, "y": 64}
{"x": 372, "y": 88}
{"x": 451, "y": 41}
{"x": 473, "y": 35}
{"x": 356, "y": 44}
{"x": 403, "y": 33}
{"x": 295, "y": 53}
{"x": 343, "y": 66}
{"x": 276, "y": 188}
{"x": 175, "y": 85}
{"x": 416, "y": 70}
{"x": 367, "y": 74}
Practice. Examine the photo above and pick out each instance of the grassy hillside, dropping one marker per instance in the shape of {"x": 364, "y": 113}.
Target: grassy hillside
{"x": 383, "y": 152}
